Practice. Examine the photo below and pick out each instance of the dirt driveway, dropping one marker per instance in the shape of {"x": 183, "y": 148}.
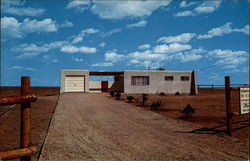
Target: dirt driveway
{"x": 93, "y": 127}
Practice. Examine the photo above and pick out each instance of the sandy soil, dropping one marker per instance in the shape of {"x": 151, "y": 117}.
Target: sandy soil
{"x": 42, "y": 111}
{"x": 94, "y": 127}
{"x": 210, "y": 110}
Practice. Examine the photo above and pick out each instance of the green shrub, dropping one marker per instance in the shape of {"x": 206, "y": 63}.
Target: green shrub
{"x": 130, "y": 98}
{"x": 156, "y": 105}
{"x": 177, "y": 93}
{"x": 144, "y": 98}
{"x": 162, "y": 94}
{"x": 188, "y": 111}
{"x": 117, "y": 95}
{"x": 112, "y": 93}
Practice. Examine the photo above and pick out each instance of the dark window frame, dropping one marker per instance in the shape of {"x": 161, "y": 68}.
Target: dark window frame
{"x": 184, "y": 78}
{"x": 169, "y": 78}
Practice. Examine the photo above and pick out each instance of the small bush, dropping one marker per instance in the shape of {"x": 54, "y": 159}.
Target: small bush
{"x": 162, "y": 94}
{"x": 130, "y": 98}
{"x": 156, "y": 105}
{"x": 177, "y": 93}
{"x": 144, "y": 98}
{"x": 188, "y": 111}
{"x": 112, "y": 93}
{"x": 117, "y": 95}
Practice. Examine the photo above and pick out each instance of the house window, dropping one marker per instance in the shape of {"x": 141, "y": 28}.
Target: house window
{"x": 184, "y": 78}
{"x": 169, "y": 78}
{"x": 140, "y": 80}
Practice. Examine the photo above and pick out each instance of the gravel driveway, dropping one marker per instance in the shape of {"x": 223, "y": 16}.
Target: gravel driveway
{"x": 94, "y": 127}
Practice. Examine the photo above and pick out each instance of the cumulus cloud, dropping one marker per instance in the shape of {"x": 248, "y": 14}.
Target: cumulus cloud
{"x": 79, "y": 37}
{"x": 77, "y": 59}
{"x": 102, "y": 44}
{"x": 142, "y": 23}
{"x": 112, "y": 56}
{"x": 27, "y": 55}
{"x": 184, "y": 13}
{"x": 229, "y": 58}
{"x": 105, "y": 64}
{"x": 222, "y": 30}
{"x": 16, "y": 8}
{"x": 78, "y": 5}
{"x": 182, "y": 38}
{"x": 122, "y": 9}
{"x": 67, "y": 24}
{"x": 204, "y": 8}
{"x": 171, "y": 48}
{"x": 12, "y": 28}
{"x": 184, "y": 4}
{"x": 111, "y": 32}
{"x": 208, "y": 6}
{"x": 145, "y": 46}
{"x": 75, "y": 49}
{"x": 17, "y": 67}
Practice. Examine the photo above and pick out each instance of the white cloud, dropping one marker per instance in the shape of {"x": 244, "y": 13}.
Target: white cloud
{"x": 122, "y": 9}
{"x": 222, "y": 30}
{"x": 27, "y": 55}
{"x": 67, "y": 24}
{"x": 111, "y": 32}
{"x": 77, "y": 59}
{"x": 12, "y": 28}
{"x": 17, "y": 67}
{"x": 15, "y": 8}
{"x": 90, "y": 31}
{"x": 33, "y": 48}
{"x": 184, "y": 13}
{"x": 105, "y": 64}
{"x": 113, "y": 56}
{"x": 102, "y": 44}
{"x": 79, "y": 5}
{"x": 171, "y": 48}
{"x": 74, "y": 49}
{"x": 182, "y": 38}
{"x": 79, "y": 37}
{"x": 208, "y": 6}
{"x": 46, "y": 25}
{"x": 184, "y": 4}
{"x": 145, "y": 46}
{"x": 49, "y": 59}
{"x": 229, "y": 58}
{"x": 142, "y": 23}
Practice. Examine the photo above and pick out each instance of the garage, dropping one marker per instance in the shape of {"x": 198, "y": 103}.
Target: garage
{"x": 74, "y": 83}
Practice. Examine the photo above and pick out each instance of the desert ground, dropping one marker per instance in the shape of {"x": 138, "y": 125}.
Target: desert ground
{"x": 210, "y": 115}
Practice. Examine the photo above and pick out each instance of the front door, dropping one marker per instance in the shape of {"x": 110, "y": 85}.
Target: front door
{"x": 105, "y": 86}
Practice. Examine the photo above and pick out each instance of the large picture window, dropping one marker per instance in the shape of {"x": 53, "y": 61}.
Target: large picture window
{"x": 140, "y": 80}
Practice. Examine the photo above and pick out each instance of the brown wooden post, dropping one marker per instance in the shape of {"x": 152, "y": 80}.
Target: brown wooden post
{"x": 25, "y": 129}
{"x": 192, "y": 86}
{"x": 228, "y": 105}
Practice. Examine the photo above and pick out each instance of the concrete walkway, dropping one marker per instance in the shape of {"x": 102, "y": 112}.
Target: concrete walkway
{"x": 91, "y": 127}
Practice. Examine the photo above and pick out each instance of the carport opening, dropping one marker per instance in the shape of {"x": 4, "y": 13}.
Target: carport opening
{"x": 106, "y": 82}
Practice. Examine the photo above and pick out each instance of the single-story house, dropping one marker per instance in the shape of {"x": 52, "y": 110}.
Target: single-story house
{"x": 130, "y": 81}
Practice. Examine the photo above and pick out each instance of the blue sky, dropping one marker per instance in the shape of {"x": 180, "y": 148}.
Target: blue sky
{"x": 39, "y": 38}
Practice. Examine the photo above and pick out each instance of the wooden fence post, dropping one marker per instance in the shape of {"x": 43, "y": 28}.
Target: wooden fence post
{"x": 228, "y": 105}
{"x": 25, "y": 128}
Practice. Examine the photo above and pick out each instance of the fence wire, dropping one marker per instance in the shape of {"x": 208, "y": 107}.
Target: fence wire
{"x": 10, "y": 108}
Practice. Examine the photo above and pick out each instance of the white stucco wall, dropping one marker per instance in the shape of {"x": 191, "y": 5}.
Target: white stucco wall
{"x": 157, "y": 82}
{"x": 64, "y": 73}
{"x": 98, "y": 85}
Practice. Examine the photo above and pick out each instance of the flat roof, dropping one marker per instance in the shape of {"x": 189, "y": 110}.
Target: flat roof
{"x": 105, "y": 73}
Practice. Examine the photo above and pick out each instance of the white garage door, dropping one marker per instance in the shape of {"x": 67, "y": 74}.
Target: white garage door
{"x": 74, "y": 84}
